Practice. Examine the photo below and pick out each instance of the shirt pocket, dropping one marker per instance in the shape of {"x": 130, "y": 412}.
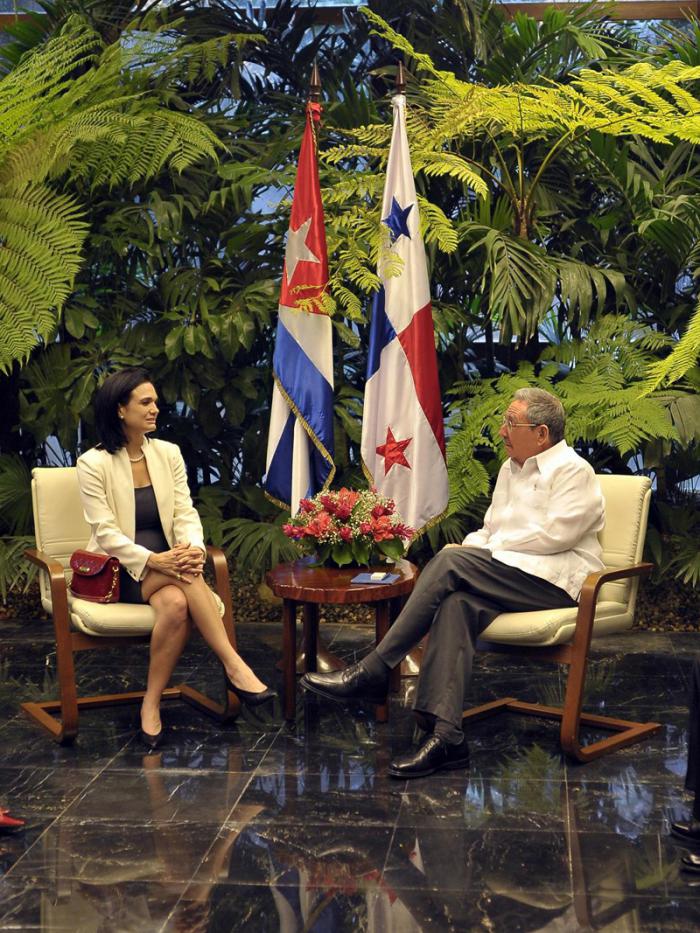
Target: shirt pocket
{"x": 539, "y": 500}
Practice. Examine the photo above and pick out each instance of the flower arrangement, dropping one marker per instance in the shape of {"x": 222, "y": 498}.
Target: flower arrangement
{"x": 348, "y": 527}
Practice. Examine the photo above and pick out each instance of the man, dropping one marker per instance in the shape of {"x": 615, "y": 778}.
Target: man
{"x": 537, "y": 546}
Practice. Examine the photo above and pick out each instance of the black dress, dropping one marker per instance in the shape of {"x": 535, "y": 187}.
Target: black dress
{"x": 149, "y": 534}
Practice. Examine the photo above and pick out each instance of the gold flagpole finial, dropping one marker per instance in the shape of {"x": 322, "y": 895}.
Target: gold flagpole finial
{"x": 401, "y": 79}
{"x": 315, "y": 85}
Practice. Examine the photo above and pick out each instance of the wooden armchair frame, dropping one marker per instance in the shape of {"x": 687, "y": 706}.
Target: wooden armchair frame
{"x": 64, "y": 728}
{"x": 575, "y": 656}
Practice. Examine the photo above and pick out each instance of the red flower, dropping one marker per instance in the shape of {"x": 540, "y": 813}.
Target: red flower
{"x": 306, "y": 505}
{"x": 382, "y": 529}
{"x": 365, "y": 528}
{"x": 345, "y": 532}
{"x": 318, "y": 525}
{"x": 293, "y": 531}
{"x": 348, "y": 497}
{"x": 378, "y": 511}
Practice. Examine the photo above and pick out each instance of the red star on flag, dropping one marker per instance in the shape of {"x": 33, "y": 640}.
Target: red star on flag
{"x": 392, "y": 451}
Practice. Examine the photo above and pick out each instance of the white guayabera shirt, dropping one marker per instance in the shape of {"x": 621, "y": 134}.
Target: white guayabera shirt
{"x": 544, "y": 518}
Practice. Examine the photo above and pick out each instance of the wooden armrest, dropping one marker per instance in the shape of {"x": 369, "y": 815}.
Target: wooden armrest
{"x": 589, "y": 597}
{"x": 54, "y": 568}
{"x": 59, "y": 592}
{"x": 218, "y": 559}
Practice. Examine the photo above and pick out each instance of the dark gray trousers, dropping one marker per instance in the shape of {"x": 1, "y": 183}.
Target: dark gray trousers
{"x": 458, "y": 594}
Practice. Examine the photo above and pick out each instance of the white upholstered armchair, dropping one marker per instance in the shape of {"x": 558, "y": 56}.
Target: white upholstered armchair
{"x": 606, "y": 606}
{"x": 80, "y": 625}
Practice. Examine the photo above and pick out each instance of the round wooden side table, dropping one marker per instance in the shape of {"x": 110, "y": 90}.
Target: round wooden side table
{"x": 299, "y": 583}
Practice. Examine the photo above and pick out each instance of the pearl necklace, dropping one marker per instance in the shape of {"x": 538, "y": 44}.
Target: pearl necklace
{"x": 137, "y": 459}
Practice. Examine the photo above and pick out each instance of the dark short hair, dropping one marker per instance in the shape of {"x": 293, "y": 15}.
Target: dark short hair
{"x": 115, "y": 390}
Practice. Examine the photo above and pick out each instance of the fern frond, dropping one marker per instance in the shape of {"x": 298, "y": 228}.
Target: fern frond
{"x": 41, "y": 236}
{"x": 682, "y": 358}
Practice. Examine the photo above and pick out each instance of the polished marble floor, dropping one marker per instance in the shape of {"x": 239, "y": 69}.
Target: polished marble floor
{"x": 257, "y": 826}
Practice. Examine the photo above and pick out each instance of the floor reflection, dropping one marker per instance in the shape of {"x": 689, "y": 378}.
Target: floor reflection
{"x": 260, "y": 827}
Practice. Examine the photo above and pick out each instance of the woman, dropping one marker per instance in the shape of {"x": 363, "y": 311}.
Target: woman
{"x": 137, "y": 502}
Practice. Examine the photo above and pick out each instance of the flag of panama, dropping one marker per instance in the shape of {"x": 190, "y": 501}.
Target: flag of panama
{"x": 300, "y": 440}
{"x": 403, "y": 440}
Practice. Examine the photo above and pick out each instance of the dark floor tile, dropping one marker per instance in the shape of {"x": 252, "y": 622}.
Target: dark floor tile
{"x": 252, "y": 851}
{"x": 669, "y": 914}
{"x": 113, "y": 852}
{"x": 501, "y": 861}
{"x": 685, "y": 644}
{"x": 461, "y": 802}
{"x": 136, "y": 906}
{"x": 99, "y": 740}
{"x": 42, "y": 792}
{"x": 153, "y": 794}
{"x": 230, "y": 748}
{"x": 359, "y": 765}
{"x": 661, "y": 757}
{"x": 626, "y": 807}
{"x": 286, "y": 906}
{"x": 609, "y": 864}
{"x": 507, "y": 741}
{"x": 316, "y": 799}
{"x": 15, "y": 846}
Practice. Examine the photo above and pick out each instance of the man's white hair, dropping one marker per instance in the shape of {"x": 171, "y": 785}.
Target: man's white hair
{"x": 544, "y": 408}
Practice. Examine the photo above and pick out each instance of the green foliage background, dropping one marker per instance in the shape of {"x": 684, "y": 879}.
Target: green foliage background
{"x": 145, "y": 180}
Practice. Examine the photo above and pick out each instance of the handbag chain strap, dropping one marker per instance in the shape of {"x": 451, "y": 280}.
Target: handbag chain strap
{"x": 115, "y": 577}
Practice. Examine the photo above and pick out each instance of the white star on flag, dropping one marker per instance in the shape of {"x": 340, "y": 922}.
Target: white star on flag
{"x": 297, "y": 251}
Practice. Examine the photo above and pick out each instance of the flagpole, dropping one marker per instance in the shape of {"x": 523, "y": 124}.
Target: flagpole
{"x": 326, "y": 661}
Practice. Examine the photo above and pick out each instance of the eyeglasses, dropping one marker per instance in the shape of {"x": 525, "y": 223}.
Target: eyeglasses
{"x": 509, "y": 424}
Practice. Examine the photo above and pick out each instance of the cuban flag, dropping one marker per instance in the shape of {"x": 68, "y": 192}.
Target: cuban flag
{"x": 300, "y": 441}
{"x": 403, "y": 439}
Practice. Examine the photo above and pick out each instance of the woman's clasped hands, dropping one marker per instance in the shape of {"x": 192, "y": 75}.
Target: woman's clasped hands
{"x": 181, "y": 562}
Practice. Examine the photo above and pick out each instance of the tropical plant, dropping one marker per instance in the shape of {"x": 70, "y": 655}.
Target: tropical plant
{"x": 559, "y": 203}
{"x": 74, "y": 108}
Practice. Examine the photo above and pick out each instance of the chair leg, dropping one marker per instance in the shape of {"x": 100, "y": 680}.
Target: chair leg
{"x": 63, "y": 732}
{"x": 65, "y": 668}
{"x": 571, "y": 717}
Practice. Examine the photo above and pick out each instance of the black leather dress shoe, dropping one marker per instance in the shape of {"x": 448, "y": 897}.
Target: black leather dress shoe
{"x": 434, "y": 755}
{"x": 689, "y": 830}
{"x": 691, "y": 862}
{"x": 352, "y": 683}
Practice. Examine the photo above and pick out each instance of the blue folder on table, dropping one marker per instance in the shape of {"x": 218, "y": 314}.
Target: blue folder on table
{"x": 367, "y": 578}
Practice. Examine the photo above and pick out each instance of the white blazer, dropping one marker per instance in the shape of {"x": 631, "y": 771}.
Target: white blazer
{"x": 109, "y": 505}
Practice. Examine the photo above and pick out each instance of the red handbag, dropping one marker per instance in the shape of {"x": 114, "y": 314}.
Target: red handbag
{"x": 95, "y": 577}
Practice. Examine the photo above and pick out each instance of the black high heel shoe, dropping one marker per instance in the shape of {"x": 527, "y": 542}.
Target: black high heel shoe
{"x": 152, "y": 741}
{"x": 248, "y": 697}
